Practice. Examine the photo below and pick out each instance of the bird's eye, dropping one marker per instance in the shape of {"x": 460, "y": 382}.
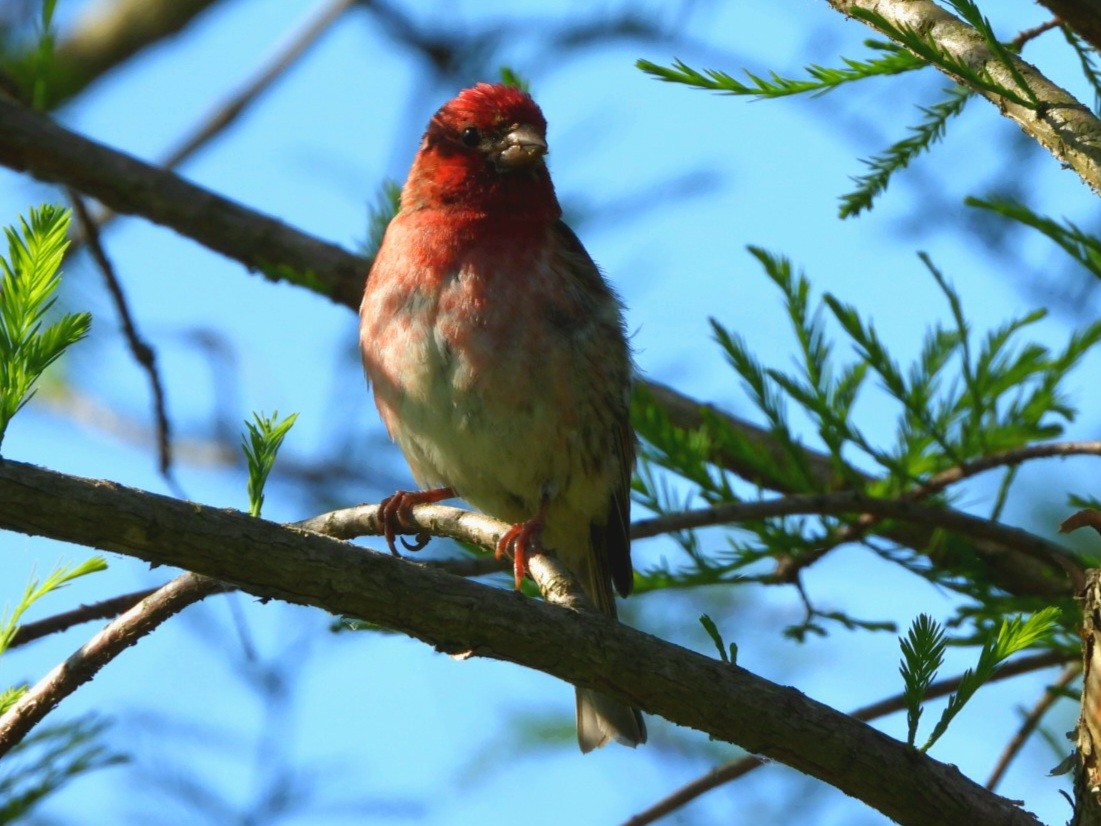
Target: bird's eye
{"x": 471, "y": 136}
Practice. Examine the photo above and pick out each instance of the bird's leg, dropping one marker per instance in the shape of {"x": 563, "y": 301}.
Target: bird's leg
{"x": 523, "y": 540}
{"x": 394, "y": 515}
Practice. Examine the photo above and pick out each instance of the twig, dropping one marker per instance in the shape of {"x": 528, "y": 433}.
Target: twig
{"x": 85, "y": 613}
{"x": 1018, "y": 42}
{"x": 744, "y": 765}
{"x": 117, "y": 636}
{"x": 1051, "y": 694}
{"x": 975, "y": 527}
{"x": 143, "y": 354}
{"x": 939, "y": 481}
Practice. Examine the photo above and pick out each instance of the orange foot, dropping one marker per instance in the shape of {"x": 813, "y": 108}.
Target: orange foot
{"x": 521, "y": 541}
{"x": 394, "y": 515}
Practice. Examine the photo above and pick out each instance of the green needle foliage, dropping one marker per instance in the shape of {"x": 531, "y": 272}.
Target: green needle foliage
{"x": 899, "y": 155}
{"x": 1013, "y": 635}
{"x": 46, "y": 760}
{"x": 1080, "y": 245}
{"x": 965, "y": 395}
{"x": 922, "y": 656}
{"x": 265, "y": 436}
{"x": 31, "y": 274}
{"x": 822, "y": 79}
{"x": 386, "y": 206}
{"x": 35, "y": 590}
{"x": 716, "y": 637}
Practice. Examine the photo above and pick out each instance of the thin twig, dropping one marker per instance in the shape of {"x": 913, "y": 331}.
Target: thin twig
{"x": 115, "y": 637}
{"x": 1018, "y": 42}
{"x": 105, "y": 609}
{"x": 744, "y": 765}
{"x": 853, "y": 502}
{"x": 1013, "y": 747}
{"x": 143, "y": 354}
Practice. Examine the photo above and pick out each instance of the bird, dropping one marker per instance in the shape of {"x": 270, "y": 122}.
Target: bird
{"x": 499, "y": 361}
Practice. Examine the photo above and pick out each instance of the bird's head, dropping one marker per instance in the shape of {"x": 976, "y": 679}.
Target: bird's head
{"x": 485, "y": 148}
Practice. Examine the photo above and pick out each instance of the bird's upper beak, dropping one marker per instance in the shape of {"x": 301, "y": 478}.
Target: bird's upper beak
{"x": 521, "y": 147}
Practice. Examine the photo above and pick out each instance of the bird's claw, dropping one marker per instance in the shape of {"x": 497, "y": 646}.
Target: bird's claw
{"x": 395, "y": 516}
{"x": 519, "y": 542}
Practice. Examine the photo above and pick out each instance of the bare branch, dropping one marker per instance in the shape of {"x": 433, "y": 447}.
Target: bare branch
{"x": 109, "y": 34}
{"x": 1031, "y": 721}
{"x": 104, "y": 609}
{"x": 143, "y": 354}
{"x": 460, "y": 616}
{"x": 115, "y": 638}
{"x": 1084, "y": 16}
{"x": 31, "y": 143}
{"x": 237, "y": 103}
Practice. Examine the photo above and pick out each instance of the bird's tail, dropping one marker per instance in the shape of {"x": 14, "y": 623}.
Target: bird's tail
{"x": 601, "y": 719}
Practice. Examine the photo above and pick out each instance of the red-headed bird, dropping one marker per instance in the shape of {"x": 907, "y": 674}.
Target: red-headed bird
{"x": 499, "y": 360}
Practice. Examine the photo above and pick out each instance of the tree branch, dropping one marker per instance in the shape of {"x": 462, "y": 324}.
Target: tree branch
{"x": 31, "y": 143}
{"x": 104, "y": 609}
{"x": 1061, "y": 124}
{"x": 115, "y": 638}
{"x": 456, "y": 615}
{"x": 735, "y": 769}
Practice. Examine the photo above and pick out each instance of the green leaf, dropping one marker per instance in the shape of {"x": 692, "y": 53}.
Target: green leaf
{"x": 29, "y": 277}
{"x": 1013, "y": 635}
{"x": 922, "y": 656}
{"x": 35, "y": 590}
{"x": 900, "y": 155}
{"x": 822, "y": 79}
{"x": 265, "y": 436}
{"x": 717, "y": 638}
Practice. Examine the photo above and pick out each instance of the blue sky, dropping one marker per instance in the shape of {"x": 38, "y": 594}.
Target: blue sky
{"x": 391, "y": 731}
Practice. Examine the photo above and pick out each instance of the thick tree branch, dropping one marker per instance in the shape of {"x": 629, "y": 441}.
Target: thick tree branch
{"x": 735, "y": 769}
{"x": 34, "y": 144}
{"x": 456, "y": 615}
{"x": 1061, "y": 124}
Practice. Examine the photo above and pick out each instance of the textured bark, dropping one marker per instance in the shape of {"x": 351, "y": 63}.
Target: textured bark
{"x": 33, "y": 144}
{"x": 1087, "y": 735}
{"x": 1062, "y": 125}
{"x": 456, "y": 615}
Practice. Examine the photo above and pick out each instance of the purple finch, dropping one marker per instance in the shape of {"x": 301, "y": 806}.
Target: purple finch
{"x": 499, "y": 361}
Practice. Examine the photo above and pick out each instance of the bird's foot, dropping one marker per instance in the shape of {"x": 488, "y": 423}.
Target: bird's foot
{"x": 521, "y": 541}
{"x": 394, "y": 515}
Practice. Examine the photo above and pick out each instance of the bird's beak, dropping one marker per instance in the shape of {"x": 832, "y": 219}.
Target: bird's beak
{"x": 521, "y": 147}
